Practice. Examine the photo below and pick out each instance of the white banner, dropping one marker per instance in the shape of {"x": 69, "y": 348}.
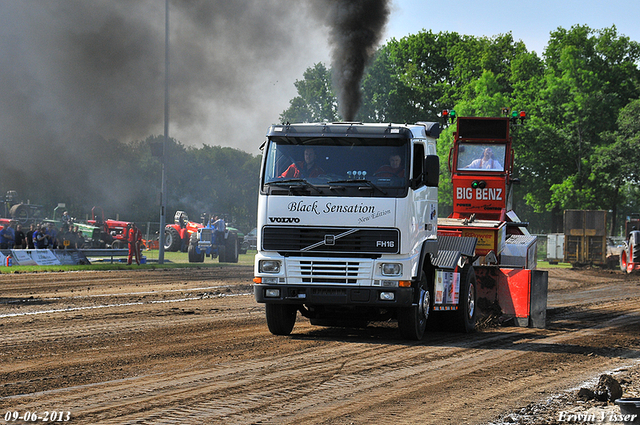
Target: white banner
{"x": 22, "y": 257}
{"x": 43, "y": 257}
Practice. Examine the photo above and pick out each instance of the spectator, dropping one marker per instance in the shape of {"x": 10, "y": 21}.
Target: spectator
{"x": 53, "y": 236}
{"x": 40, "y": 238}
{"x": 11, "y": 234}
{"x": 32, "y": 228}
{"x": 20, "y": 238}
{"x": 5, "y": 235}
{"x": 79, "y": 238}
{"x": 67, "y": 238}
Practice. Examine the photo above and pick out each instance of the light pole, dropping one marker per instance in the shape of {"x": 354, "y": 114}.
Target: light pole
{"x": 163, "y": 186}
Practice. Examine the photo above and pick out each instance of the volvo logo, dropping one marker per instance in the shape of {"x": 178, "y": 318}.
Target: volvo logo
{"x": 329, "y": 240}
{"x": 284, "y": 219}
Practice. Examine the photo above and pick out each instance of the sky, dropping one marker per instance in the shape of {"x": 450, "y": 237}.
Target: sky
{"x": 530, "y": 20}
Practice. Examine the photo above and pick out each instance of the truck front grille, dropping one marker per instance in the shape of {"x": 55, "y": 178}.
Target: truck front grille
{"x": 330, "y": 240}
{"x": 329, "y": 272}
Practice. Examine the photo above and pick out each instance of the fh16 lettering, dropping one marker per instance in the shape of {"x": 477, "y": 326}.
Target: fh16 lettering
{"x": 385, "y": 244}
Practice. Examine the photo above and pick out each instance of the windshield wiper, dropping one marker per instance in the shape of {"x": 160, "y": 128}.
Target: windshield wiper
{"x": 359, "y": 181}
{"x": 299, "y": 183}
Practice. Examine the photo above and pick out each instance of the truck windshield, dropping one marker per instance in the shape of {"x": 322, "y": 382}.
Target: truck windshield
{"x": 337, "y": 162}
{"x": 481, "y": 156}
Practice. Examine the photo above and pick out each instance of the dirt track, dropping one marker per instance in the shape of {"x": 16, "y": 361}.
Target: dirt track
{"x": 192, "y": 346}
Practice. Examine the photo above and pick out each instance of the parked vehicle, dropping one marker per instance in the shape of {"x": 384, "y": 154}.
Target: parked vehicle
{"x": 250, "y": 241}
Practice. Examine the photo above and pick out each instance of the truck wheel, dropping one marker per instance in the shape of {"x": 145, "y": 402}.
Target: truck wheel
{"x": 412, "y": 321}
{"x": 172, "y": 239}
{"x": 222, "y": 254}
{"x": 118, "y": 244}
{"x": 281, "y": 318}
{"x": 465, "y": 316}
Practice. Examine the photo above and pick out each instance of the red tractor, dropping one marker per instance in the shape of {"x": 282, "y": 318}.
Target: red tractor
{"x": 112, "y": 231}
{"x": 178, "y": 234}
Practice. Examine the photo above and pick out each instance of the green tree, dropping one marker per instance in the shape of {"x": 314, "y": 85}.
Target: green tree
{"x": 589, "y": 75}
{"x": 415, "y": 78}
{"x": 615, "y": 171}
{"x": 410, "y": 79}
{"x": 316, "y": 101}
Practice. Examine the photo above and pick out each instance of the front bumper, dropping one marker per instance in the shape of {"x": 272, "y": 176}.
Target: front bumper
{"x": 335, "y": 295}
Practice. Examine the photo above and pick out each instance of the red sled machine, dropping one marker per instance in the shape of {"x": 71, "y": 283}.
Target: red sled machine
{"x": 481, "y": 166}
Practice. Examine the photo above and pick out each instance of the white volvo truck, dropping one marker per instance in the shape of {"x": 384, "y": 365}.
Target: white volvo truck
{"x": 347, "y": 230}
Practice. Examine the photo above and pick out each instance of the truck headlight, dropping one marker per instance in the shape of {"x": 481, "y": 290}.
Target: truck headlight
{"x": 272, "y": 293}
{"x": 269, "y": 266}
{"x": 391, "y": 269}
{"x": 387, "y": 296}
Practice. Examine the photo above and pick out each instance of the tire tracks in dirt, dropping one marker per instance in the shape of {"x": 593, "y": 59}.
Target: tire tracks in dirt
{"x": 223, "y": 366}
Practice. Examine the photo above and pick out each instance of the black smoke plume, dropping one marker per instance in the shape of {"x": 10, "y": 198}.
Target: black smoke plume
{"x": 357, "y": 27}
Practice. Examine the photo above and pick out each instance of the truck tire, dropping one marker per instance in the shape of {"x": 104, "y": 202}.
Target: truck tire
{"x": 281, "y": 318}
{"x": 172, "y": 239}
{"x": 194, "y": 257}
{"x": 465, "y": 317}
{"x": 412, "y": 321}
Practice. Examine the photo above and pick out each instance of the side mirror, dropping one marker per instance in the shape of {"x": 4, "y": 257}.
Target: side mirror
{"x": 431, "y": 170}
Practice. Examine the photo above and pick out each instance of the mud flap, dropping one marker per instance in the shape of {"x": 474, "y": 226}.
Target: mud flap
{"x": 518, "y": 294}
{"x": 539, "y": 287}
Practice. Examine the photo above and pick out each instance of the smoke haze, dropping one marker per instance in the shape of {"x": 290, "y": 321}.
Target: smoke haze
{"x": 75, "y": 74}
{"x": 98, "y": 66}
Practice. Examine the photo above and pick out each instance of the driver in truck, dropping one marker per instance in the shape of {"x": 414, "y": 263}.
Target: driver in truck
{"x": 486, "y": 161}
{"x": 394, "y": 169}
{"x": 306, "y": 168}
